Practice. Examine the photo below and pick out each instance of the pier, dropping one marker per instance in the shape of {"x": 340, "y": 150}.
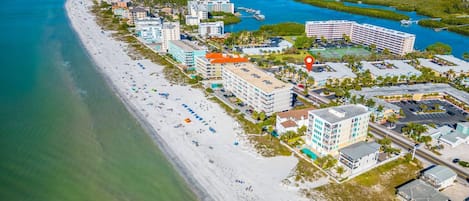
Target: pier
{"x": 256, "y": 13}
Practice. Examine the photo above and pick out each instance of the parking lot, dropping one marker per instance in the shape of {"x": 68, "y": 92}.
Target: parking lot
{"x": 449, "y": 116}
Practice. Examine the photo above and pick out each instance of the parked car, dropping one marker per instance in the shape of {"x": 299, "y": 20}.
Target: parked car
{"x": 456, "y": 160}
{"x": 450, "y": 113}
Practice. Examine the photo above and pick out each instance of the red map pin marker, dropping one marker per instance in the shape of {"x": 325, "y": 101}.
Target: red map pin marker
{"x": 309, "y": 61}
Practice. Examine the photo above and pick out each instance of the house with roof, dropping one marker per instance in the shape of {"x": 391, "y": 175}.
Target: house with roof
{"x": 454, "y": 138}
{"x": 291, "y": 120}
{"x": 359, "y": 157}
{"x": 419, "y": 190}
{"x": 439, "y": 177}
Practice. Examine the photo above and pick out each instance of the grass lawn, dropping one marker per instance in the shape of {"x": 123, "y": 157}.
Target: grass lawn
{"x": 339, "y": 52}
{"x": 289, "y": 38}
{"x": 295, "y": 58}
{"x": 377, "y": 184}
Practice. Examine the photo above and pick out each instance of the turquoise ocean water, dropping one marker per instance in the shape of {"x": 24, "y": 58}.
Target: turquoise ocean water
{"x": 64, "y": 135}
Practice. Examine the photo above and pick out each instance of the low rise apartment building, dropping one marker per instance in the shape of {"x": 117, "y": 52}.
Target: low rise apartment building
{"x": 331, "y": 129}
{"x": 137, "y": 13}
{"x": 210, "y": 66}
{"x": 185, "y": 52}
{"x": 359, "y": 157}
{"x": 259, "y": 90}
{"x": 291, "y": 120}
{"x": 439, "y": 177}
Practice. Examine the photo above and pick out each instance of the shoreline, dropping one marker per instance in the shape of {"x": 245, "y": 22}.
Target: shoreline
{"x": 171, "y": 157}
{"x": 212, "y": 170}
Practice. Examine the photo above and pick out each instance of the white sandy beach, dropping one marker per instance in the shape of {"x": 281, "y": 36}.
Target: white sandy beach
{"x": 216, "y": 166}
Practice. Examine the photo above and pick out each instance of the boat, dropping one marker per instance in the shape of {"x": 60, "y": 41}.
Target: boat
{"x": 259, "y": 17}
{"x": 406, "y": 22}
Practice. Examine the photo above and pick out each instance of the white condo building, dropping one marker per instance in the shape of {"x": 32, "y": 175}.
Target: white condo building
{"x": 149, "y": 29}
{"x": 170, "y": 31}
{"x": 211, "y": 29}
{"x": 396, "y": 42}
{"x": 331, "y": 30}
{"x": 334, "y": 128}
{"x": 256, "y": 88}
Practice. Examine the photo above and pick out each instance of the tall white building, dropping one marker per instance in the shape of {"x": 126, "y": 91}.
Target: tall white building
{"x": 331, "y": 30}
{"x": 211, "y": 29}
{"x": 149, "y": 29}
{"x": 170, "y": 31}
{"x": 256, "y": 88}
{"x": 331, "y": 129}
{"x": 395, "y": 41}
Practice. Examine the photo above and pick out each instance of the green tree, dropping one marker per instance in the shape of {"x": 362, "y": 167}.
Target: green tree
{"x": 262, "y": 116}
{"x": 392, "y": 119}
{"x": 340, "y": 170}
{"x": 302, "y": 130}
{"x": 370, "y": 103}
{"x": 439, "y": 48}
{"x": 465, "y": 56}
{"x": 255, "y": 115}
{"x": 303, "y": 42}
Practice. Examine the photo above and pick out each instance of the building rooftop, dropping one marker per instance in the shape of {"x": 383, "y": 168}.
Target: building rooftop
{"x": 389, "y": 68}
{"x": 224, "y": 58}
{"x": 217, "y": 23}
{"x": 389, "y": 31}
{"x": 437, "y": 132}
{"x": 289, "y": 124}
{"x": 295, "y": 114}
{"x": 441, "y": 173}
{"x": 257, "y": 77}
{"x": 360, "y": 149}
{"x": 138, "y": 9}
{"x": 329, "y": 22}
{"x": 455, "y": 64}
{"x": 340, "y": 113}
{"x": 454, "y": 137}
{"x": 420, "y": 191}
{"x": 410, "y": 89}
{"x": 186, "y": 45}
{"x": 337, "y": 71}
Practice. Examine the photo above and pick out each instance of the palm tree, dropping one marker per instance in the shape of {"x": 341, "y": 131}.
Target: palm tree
{"x": 392, "y": 119}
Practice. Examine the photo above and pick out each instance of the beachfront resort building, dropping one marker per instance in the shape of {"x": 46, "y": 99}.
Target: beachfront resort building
{"x": 169, "y": 31}
{"x": 331, "y": 129}
{"x": 211, "y": 29}
{"x": 149, "y": 29}
{"x": 396, "y": 42}
{"x": 210, "y": 66}
{"x": 359, "y": 157}
{"x": 439, "y": 177}
{"x": 444, "y": 64}
{"x": 258, "y": 89}
{"x": 291, "y": 120}
{"x": 137, "y": 13}
{"x": 185, "y": 52}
